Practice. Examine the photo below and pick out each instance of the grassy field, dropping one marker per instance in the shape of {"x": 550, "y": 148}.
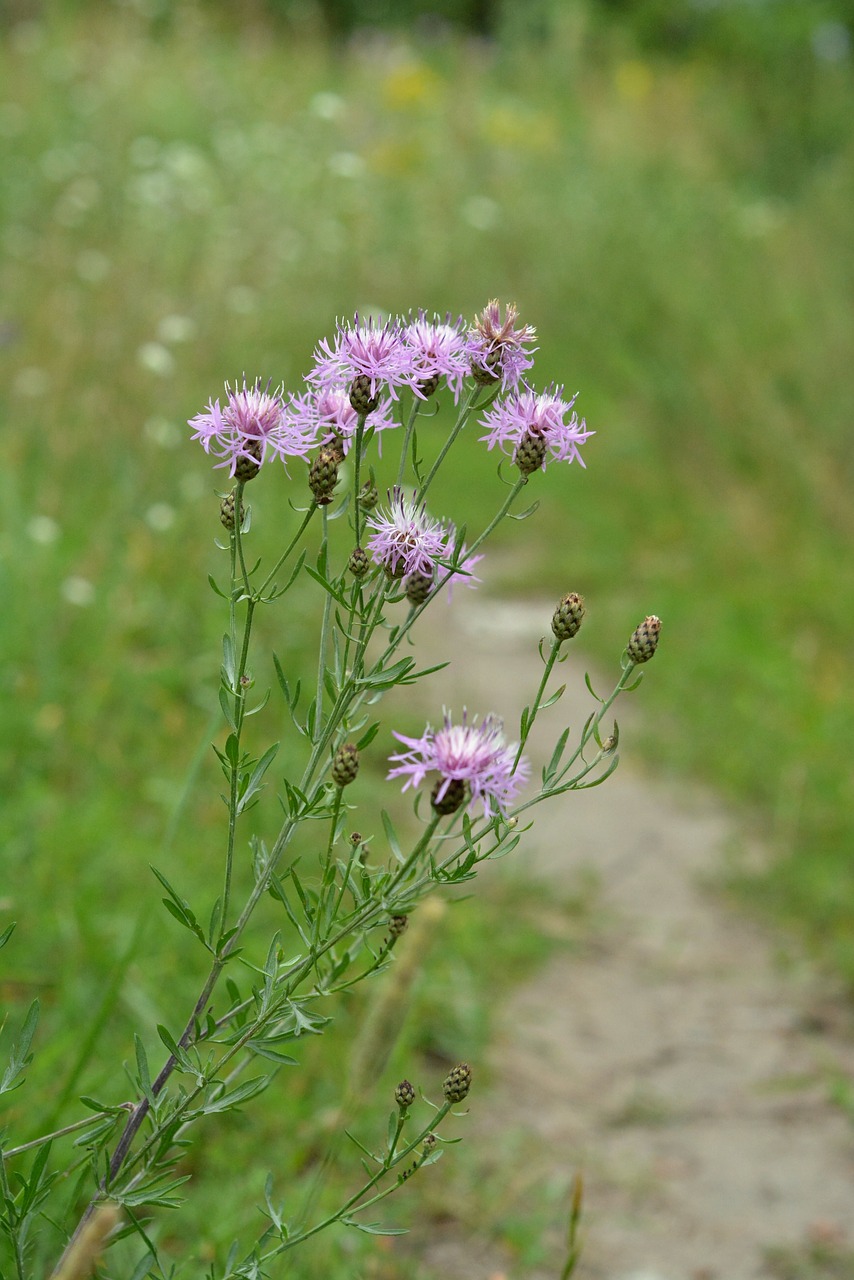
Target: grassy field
{"x": 177, "y": 209}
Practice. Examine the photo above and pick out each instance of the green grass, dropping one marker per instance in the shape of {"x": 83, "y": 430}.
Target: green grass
{"x": 679, "y": 233}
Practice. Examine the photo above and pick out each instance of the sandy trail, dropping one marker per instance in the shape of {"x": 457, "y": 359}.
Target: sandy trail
{"x": 673, "y": 1062}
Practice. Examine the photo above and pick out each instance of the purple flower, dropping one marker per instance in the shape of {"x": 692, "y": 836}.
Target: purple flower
{"x": 378, "y": 356}
{"x": 406, "y": 540}
{"x": 474, "y": 754}
{"x": 526, "y": 416}
{"x": 437, "y": 350}
{"x": 252, "y": 421}
{"x": 327, "y": 415}
{"x": 497, "y": 350}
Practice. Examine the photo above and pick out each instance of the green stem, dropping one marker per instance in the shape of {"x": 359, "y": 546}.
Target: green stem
{"x": 283, "y": 557}
{"x": 13, "y": 1228}
{"x": 468, "y": 405}
{"x": 407, "y": 436}
{"x": 357, "y": 477}
{"x": 57, "y": 1133}
{"x": 535, "y": 705}
{"x": 353, "y": 1203}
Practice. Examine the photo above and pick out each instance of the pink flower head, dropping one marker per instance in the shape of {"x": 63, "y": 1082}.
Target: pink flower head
{"x": 406, "y": 540}
{"x": 497, "y": 350}
{"x": 475, "y": 754}
{"x": 438, "y": 350}
{"x": 327, "y": 415}
{"x": 252, "y": 422}
{"x": 377, "y": 354}
{"x": 525, "y": 414}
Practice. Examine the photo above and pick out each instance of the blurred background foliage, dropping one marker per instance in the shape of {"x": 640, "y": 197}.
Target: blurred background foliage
{"x": 188, "y": 192}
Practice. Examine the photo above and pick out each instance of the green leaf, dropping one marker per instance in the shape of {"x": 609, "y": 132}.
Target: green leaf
{"x": 331, "y": 588}
{"x": 229, "y": 663}
{"x": 368, "y": 736}
{"x": 229, "y": 1101}
{"x": 20, "y": 1057}
{"x": 143, "y": 1073}
{"x": 225, "y": 704}
{"x": 255, "y": 778}
{"x": 158, "y": 1191}
{"x": 215, "y": 588}
{"x": 391, "y": 836}
{"x": 274, "y": 1055}
{"x": 374, "y": 1228}
{"x": 551, "y": 768}
{"x": 6, "y": 934}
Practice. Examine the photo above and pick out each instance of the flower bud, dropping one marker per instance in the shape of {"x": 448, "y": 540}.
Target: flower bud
{"x": 368, "y": 496}
{"x": 644, "y": 640}
{"x": 457, "y": 1082}
{"x": 397, "y": 925}
{"x": 345, "y": 764}
{"x": 226, "y": 510}
{"x": 489, "y": 372}
{"x": 360, "y": 395}
{"x": 418, "y": 587}
{"x": 358, "y": 564}
{"x": 404, "y": 1095}
{"x": 323, "y": 475}
{"x": 530, "y": 452}
{"x": 454, "y": 798}
{"x": 567, "y": 617}
{"x": 247, "y": 468}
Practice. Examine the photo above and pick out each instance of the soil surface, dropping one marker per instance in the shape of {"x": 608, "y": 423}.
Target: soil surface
{"x": 676, "y": 1062}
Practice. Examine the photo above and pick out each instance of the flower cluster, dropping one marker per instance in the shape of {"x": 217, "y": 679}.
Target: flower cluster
{"x": 471, "y": 754}
{"x": 359, "y": 374}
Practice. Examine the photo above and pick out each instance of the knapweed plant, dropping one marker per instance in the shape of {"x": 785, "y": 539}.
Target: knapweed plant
{"x": 343, "y": 897}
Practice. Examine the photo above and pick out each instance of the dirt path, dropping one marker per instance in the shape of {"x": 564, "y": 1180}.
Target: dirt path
{"x": 673, "y": 1063}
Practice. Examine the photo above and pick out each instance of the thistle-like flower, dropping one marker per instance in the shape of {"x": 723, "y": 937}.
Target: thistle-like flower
{"x": 406, "y": 540}
{"x": 327, "y": 415}
{"x": 475, "y": 755}
{"x": 438, "y": 350}
{"x": 252, "y": 423}
{"x": 497, "y": 350}
{"x": 371, "y": 357}
{"x": 527, "y": 423}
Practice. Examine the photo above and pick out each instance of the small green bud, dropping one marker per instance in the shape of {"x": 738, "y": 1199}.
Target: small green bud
{"x": 323, "y": 475}
{"x": 418, "y": 587}
{"x": 456, "y": 794}
{"x": 404, "y": 1095}
{"x": 247, "y": 468}
{"x": 360, "y": 395}
{"x": 397, "y": 925}
{"x": 567, "y": 617}
{"x": 358, "y": 564}
{"x": 345, "y": 764}
{"x": 530, "y": 452}
{"x": 226, "y": 510}
{"x": 457, "y": 1083}
{"x": 644, "y": 640}
{"x": 368, "y": 495}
